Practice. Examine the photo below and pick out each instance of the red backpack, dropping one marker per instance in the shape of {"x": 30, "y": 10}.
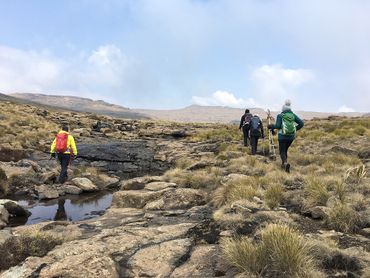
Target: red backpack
{"x": 61, "y": 142}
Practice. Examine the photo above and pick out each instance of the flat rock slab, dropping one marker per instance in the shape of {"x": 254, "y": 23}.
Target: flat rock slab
{"x": 134, "y": 198}
{"x": 160, "y": 185}
{"x": 138, "y": 183}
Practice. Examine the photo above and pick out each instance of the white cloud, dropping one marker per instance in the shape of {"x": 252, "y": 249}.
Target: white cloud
{"x": 27, "y": 70}
{"x": 274, "y": 83}
{"x": 224, "y": 98}
{"x": 106, "y": 73}
{"x": 345, "y": 109}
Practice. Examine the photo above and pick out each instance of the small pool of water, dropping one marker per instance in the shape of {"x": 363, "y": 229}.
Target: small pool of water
{"x": 69, "y": 207}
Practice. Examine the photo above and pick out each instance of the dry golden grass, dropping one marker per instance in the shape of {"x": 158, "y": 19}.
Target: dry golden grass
{"x": 16, "y": 249}
{"x": 343, "y": 218}
{"x": 204, "y": 179}
{"x": 316, "y": 190}
{"x": 282, "y": 252}
{"x": 274, "y": 195}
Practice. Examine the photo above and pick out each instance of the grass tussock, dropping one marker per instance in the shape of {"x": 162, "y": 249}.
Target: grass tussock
{"x": 282, "y": 252}
{"x": 316, "y": 190}
{"x": 356, "y": 174}
{"x": 200, "y": 179}
{"x": 274, "y": 195}
{"x": 17, "y": 249}
{"x": 343, "y": 218}
{"x": 235, "y": 190}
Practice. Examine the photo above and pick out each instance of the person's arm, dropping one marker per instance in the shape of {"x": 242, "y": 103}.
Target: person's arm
{"x": 72, "y": 144}
{"x": 241, "y": 122}
{"x": 262, "y": 132}
{"x": 299, "y": 122}
{"x": 278, "y": 124}
{"x": 53, "y": 145}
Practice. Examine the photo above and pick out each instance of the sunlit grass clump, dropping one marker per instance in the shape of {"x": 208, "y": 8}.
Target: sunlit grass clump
{"x": 281, "y": 252}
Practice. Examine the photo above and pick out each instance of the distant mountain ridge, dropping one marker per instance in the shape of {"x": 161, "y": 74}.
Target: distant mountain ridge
{"x": 82, "y": 105}
{"x": 192, "y": 113}
{"x": 197, "y": 113}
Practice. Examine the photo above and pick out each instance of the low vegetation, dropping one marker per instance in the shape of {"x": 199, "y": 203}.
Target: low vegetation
{"x": 16, "y": 249}
{"x": 281, "y": 251}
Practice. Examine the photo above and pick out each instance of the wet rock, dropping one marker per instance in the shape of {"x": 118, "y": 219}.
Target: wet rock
{"x": 14, "y": 208}
{"x": 159, "y": 260}
{"x": 159, "y": 185}
{"x": 85, "y": 184}
{"x": 71, "y": 189}
{"x": 138, "y": 183}
{"x": 46, "y": 192}
{"x": 181, "y": 198}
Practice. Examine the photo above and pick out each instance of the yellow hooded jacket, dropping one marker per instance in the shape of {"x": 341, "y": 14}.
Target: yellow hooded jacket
{"x": 71, "y": 145}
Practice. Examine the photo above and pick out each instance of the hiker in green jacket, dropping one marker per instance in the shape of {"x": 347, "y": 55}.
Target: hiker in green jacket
{"x": 288, "y": 124}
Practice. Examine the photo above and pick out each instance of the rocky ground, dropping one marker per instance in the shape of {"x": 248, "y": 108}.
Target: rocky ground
{"x": 183, "y": 194}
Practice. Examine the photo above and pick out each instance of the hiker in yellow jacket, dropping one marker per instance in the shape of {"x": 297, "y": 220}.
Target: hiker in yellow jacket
{"x": 64, "y": 147}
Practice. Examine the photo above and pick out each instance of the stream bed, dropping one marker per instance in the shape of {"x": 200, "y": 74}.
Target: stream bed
{"x": 67, "y": 208}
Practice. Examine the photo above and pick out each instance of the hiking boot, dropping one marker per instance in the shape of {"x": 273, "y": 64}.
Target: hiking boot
{"x": 287, "y": 168}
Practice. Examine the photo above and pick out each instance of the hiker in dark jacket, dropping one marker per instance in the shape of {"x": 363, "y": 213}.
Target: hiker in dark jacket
{"x": 287, "y": 123}
{"x": 255, "y": 132}
{"x": 244, "y": 125}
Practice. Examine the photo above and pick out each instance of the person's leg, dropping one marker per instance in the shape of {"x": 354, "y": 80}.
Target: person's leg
{"x": 246, "y": 135}
{"x": 254, "y": 141}
{"x": 64, "y": 167}
{"x": 288, "y": 143}
{"x": 283, "y": 151}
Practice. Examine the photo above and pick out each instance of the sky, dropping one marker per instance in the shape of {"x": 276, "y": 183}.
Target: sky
{"x": 168, "y": 54}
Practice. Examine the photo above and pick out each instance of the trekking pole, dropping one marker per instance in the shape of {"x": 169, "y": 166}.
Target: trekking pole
{"x": 271, "y": 138}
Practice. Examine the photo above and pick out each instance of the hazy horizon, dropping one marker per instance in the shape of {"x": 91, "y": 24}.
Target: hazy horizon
{"x": 167, "y": 54}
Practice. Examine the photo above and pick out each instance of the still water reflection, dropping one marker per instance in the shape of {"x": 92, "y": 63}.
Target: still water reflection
{"x": 70, "y": 207}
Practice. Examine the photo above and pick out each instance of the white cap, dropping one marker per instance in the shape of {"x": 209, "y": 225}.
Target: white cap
{"x": 286, "y": 105}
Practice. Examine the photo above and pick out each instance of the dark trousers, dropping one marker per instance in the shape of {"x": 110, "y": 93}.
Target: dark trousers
{"x": 64, "y": 161}
{"x": 283, "y": 149}
{"x": 254, "y": 144}
{"x": 246, "y": 134}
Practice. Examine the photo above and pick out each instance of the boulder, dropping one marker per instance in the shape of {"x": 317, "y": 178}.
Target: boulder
{"x": 14, "y": 208}
{"x": 134, "y": 198}
{"x": 346, "y": 151}
{"x": 49, "y": 176}
{"x": 107, "y": 181}
{"x": 181, "y": 198}
{"x": 71, "y": 189}
{"x": 85, "y": 184}
{"x": 4, "y": 214}
{"x": 4, "y": 235}
{"x": 138, "y": 183}
{"x": 318, "y": 212}
{"x": 11, "y": 169}
{"x": 46, "y": 192}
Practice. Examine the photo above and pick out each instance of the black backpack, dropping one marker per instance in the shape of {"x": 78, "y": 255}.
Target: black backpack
{"x": 254, "y": 128}
{"x": 247, "y": 119}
